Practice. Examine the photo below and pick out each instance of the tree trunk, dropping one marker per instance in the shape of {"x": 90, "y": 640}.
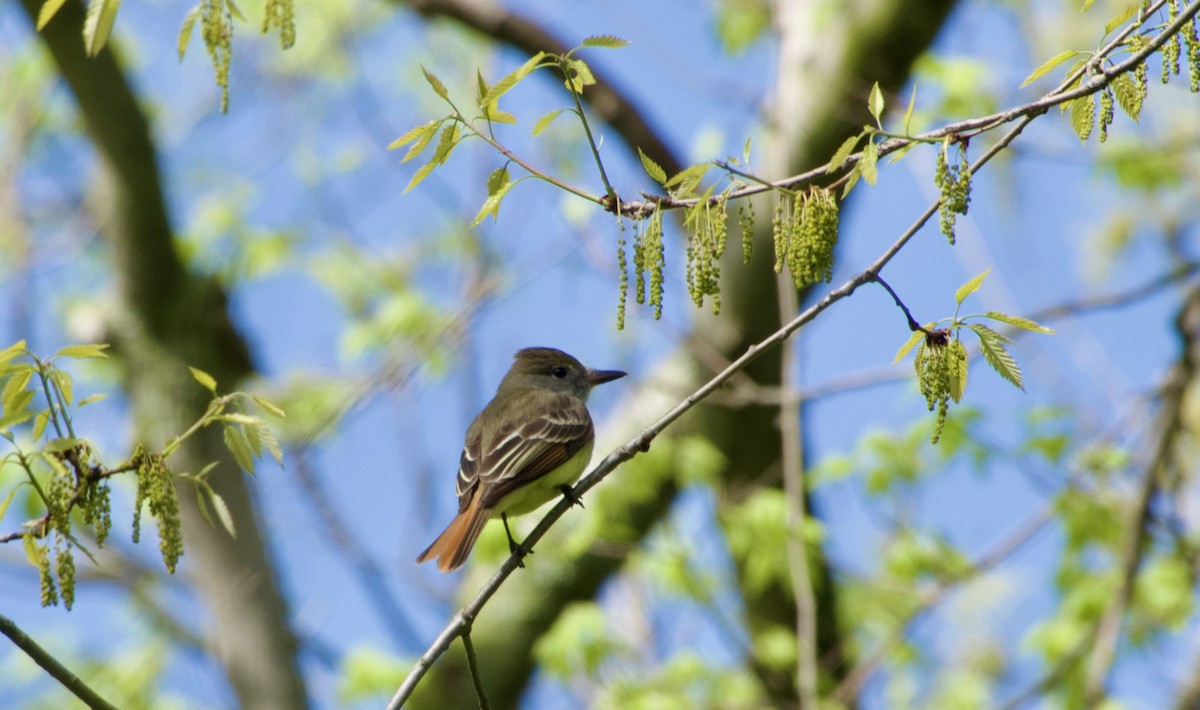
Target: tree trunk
{"x": 165, "y": 319}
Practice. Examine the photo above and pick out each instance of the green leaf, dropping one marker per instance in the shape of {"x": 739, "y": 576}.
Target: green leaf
{"x": 843, "y": 153}
{"x": 17, "y": 348}
{"x": 200, "y": 504}
{"x": 653, "y": 169}
{"x": 605, "y": 41}
{"x": 1083, "y": 116}
{"x": 912, "y": 102}
{"x": 688, "y": 178}
{"x": 901, "y": 152}
{"x": 421, "y": 142}
{"x": 958, "y": 378}
{"x": 252, "y": 438}
{"x": 503, "y": 86}
{"x": 239, "y": 418}
{"x": 235, "y": 10}
{"x": 65, "y": 384}
{"x": 1128, "y": 96}
{"x": 544, "y": 122}
{"x": 33, "y": 551}
{"x": 11, "y": 420}
{"x": 1122, "y": 17}
{"x": 421, "y": 174}
{"x": 271, "y": 443}
{"x": 992, "y": 345}
{"x": 273, "y": 409}
{"x": 98, "y": 24}
{"x": 497, "y": 180}
{"x": 236, "y": 442}
{"x": 39, "y": 423}
{"x": 1019, "y": 322}
{"x": 92, "y": 398}
{"x": 970, "y": 287}
{"x": 204, "y": 379}
{"x": 578, "y": 74}
{"x": 438, "y": 87}
{"x": 185, "y": 30}
{"x": 222, "y": 512}
{"x": 445, "y": 146}
{"x": 875, "y": 104}
{"x": 491, "y": 206}
{"x": 446, "y": 143}
{"x": 414, "y": 133}
{"x": 49, "y": 9}
{"x": 852, "y": 179}
{"x": 8, "y": 499}
{"x": 497, "y": 116}
{"x": 1087, "y": 4}
{"x": 868, "y": 164}
{"x": 14, "y": 387}
{"x": 481, "y": 87}
{"x": 1048, "y": 65}
{"x": 81, "y": 352}
{"x": 908, "y": 345}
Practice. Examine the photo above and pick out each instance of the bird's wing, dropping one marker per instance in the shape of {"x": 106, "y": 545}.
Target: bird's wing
{"x": 527, "y": 448}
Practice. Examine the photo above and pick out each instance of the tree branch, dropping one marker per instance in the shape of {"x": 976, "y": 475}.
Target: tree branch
{"x": 641, "y": 442}
{"x": 50, "y": 664}
{"x": 610, "y": 105}
{"x": 969, "y": 127}
{"x": 1187, "y": 326}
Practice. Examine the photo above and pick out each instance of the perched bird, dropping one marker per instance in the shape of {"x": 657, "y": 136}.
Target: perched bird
{"x": 528, "y": 444}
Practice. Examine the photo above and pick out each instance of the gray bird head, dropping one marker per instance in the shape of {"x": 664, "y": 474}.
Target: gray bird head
{"x": 555, "y": 370}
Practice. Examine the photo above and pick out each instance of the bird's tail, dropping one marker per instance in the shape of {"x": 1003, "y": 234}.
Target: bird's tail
{"x": 454, "y": 544}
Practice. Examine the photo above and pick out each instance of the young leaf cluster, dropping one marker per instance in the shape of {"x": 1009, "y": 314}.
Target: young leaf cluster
{"x": 866, "y": 167}
{"x": 706, "y": 223}
{"x": 941, "y": 360}
{"x": 1127, "y": 91}
{"x": 72, "y": 484}
{"x": 455, "y": 126}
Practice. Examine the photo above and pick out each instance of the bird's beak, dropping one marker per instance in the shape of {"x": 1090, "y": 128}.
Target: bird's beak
{"x": 599, "y": 377}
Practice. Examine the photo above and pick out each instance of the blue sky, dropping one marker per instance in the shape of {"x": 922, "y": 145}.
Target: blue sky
{"x": 305, "y": 157}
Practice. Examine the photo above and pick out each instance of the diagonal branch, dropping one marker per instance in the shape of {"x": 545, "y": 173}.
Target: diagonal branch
{"x": 641, "y": 442}
{"x": 50, "y": 664}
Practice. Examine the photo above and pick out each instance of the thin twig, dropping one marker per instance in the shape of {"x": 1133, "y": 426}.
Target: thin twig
{"x": 539, "y": 174}
{"x": 613, "y": 201}
{"x": 473, "y": 667}
{"x": 913, "y": 325}
{"x": 792, "y": 458}
{"x": 51, "y": 665}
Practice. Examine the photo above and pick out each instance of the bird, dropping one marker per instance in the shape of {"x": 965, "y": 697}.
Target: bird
{"x": 529, "y": 444}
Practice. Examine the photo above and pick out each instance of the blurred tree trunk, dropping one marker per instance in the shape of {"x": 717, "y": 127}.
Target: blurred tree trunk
{"x": 830, "y": 54}
{"x": 164, "y": 320}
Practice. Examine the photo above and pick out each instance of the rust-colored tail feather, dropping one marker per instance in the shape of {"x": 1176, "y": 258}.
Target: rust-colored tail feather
{"x": 454, "y": 544}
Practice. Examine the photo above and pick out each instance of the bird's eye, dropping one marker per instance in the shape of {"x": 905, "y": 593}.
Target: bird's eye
{"x": 559, "y": 372}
